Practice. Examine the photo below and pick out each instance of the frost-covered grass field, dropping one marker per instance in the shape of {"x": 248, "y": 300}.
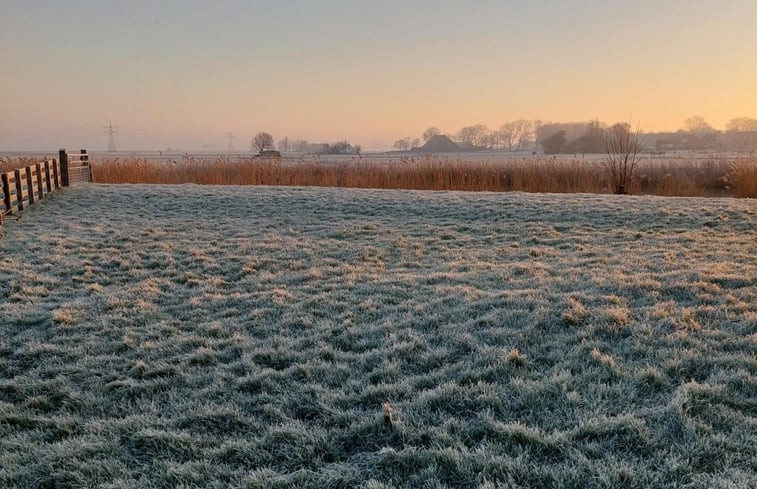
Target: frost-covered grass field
{"x": 203, "y": 336}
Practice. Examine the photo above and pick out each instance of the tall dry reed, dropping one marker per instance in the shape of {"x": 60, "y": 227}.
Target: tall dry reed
{"x": 679, "y": 178}
{"x": 8, "y": 164}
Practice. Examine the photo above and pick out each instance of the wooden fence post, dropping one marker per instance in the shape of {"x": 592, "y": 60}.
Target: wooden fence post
{"x": 85, "y": 161}
{"x": 19, "y": 191}
{"x": 56, "y": 174}
{"x": 30, "y": 184}
{"x": 7, "y": 193}
{"x": 63, "y": 167}
{"x": 40, "y": 183}
{"x": 48, "y": 183}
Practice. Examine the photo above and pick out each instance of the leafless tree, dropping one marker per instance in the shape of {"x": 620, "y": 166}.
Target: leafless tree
{"x": 284, "y": 145}
{"x": 536, "y": 126}
{"x": 262, "y": 141}
{"x": 402, "y": 144}
{"x": 477, "y": 135}
{"x": 507, "y": 135}
{"x": 622, "y": 146}
{"x": 494, "y": 140}
{"x": 742, "y": 132}
{"x": 466, "y": 134}
{"x": 430, "y": 132}
{"x": 696, "y": 124}
{"x": 300, "y": 145}
{"x": 524, "y": 132}
{"x": 741, "y": 124}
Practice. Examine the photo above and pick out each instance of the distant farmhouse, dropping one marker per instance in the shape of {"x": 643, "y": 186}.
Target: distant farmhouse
{"x": 318, "y": 148}
{"x": 443, "y": 144}
{"x": 268, "y": 153}
{"x": 339, "y": 148}
{"x": 681, "y": 140}
{"x": 741, "y": 140}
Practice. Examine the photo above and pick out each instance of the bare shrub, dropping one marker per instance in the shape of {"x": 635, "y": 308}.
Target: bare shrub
{"x": 622, "y": 146}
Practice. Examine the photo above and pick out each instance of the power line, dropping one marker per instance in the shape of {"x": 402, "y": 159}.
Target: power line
{"x": 111, "y": 131}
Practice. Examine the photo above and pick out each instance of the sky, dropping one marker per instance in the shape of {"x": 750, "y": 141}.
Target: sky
{"x": 182, "y": 73}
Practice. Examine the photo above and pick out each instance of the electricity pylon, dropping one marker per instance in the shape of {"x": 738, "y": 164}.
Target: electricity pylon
{"x": 111, "y": 132}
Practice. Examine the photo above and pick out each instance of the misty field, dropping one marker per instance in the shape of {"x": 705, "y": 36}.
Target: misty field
{"x": 207, "y": 336}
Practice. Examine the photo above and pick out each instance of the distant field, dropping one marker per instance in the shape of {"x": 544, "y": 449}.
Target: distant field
{"x": 210, "y": 336}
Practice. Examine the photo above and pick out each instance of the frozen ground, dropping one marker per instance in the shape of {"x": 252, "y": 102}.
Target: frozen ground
{"x": 186, "y": 336}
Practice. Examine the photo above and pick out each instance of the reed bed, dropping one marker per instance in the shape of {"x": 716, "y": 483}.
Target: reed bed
{"x": 9, "y": 164}
{"x": 716, "y": 177}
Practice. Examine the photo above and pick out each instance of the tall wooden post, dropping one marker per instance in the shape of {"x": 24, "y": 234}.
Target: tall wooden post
{"x": 63, "y": 166}
{"x": 7, "y": 193}
{"x": 48, "y": 182}
{"x": 40, "y": 182}
{"x": 19, "y": 190}
{"x": 85, "y": 162}
{"x": 56, "y": 174}
{"x": 30, "y": 184}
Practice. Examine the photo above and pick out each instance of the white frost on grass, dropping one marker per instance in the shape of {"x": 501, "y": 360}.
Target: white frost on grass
{"x": 167, "y": 336}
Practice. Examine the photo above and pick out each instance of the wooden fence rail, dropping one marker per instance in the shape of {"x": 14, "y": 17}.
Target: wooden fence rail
{"x": 25, "y": 186}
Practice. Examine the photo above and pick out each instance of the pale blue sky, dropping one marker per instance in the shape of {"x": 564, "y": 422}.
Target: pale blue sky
{"x": 181, "y": 73}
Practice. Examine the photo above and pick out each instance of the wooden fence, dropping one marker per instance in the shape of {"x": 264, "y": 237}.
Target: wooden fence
{"x": 25, "y": 186}
{"x": 75, "y": 167}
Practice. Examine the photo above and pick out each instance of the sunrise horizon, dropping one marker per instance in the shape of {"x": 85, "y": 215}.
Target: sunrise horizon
{"x": 182, "y": 74}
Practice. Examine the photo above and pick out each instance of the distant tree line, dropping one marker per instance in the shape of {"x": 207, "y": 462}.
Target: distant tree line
{"x": 293, "y": 145}
{"x": 341, "y": 148}
{"x": 697, "y": 134}
{"x": 588, "y": 137}
{"x": 517, "y": 135}
{"x": 263, "y": 141}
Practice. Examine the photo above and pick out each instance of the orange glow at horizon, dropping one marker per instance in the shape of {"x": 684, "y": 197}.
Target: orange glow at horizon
{"x": 171, "y": 75}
